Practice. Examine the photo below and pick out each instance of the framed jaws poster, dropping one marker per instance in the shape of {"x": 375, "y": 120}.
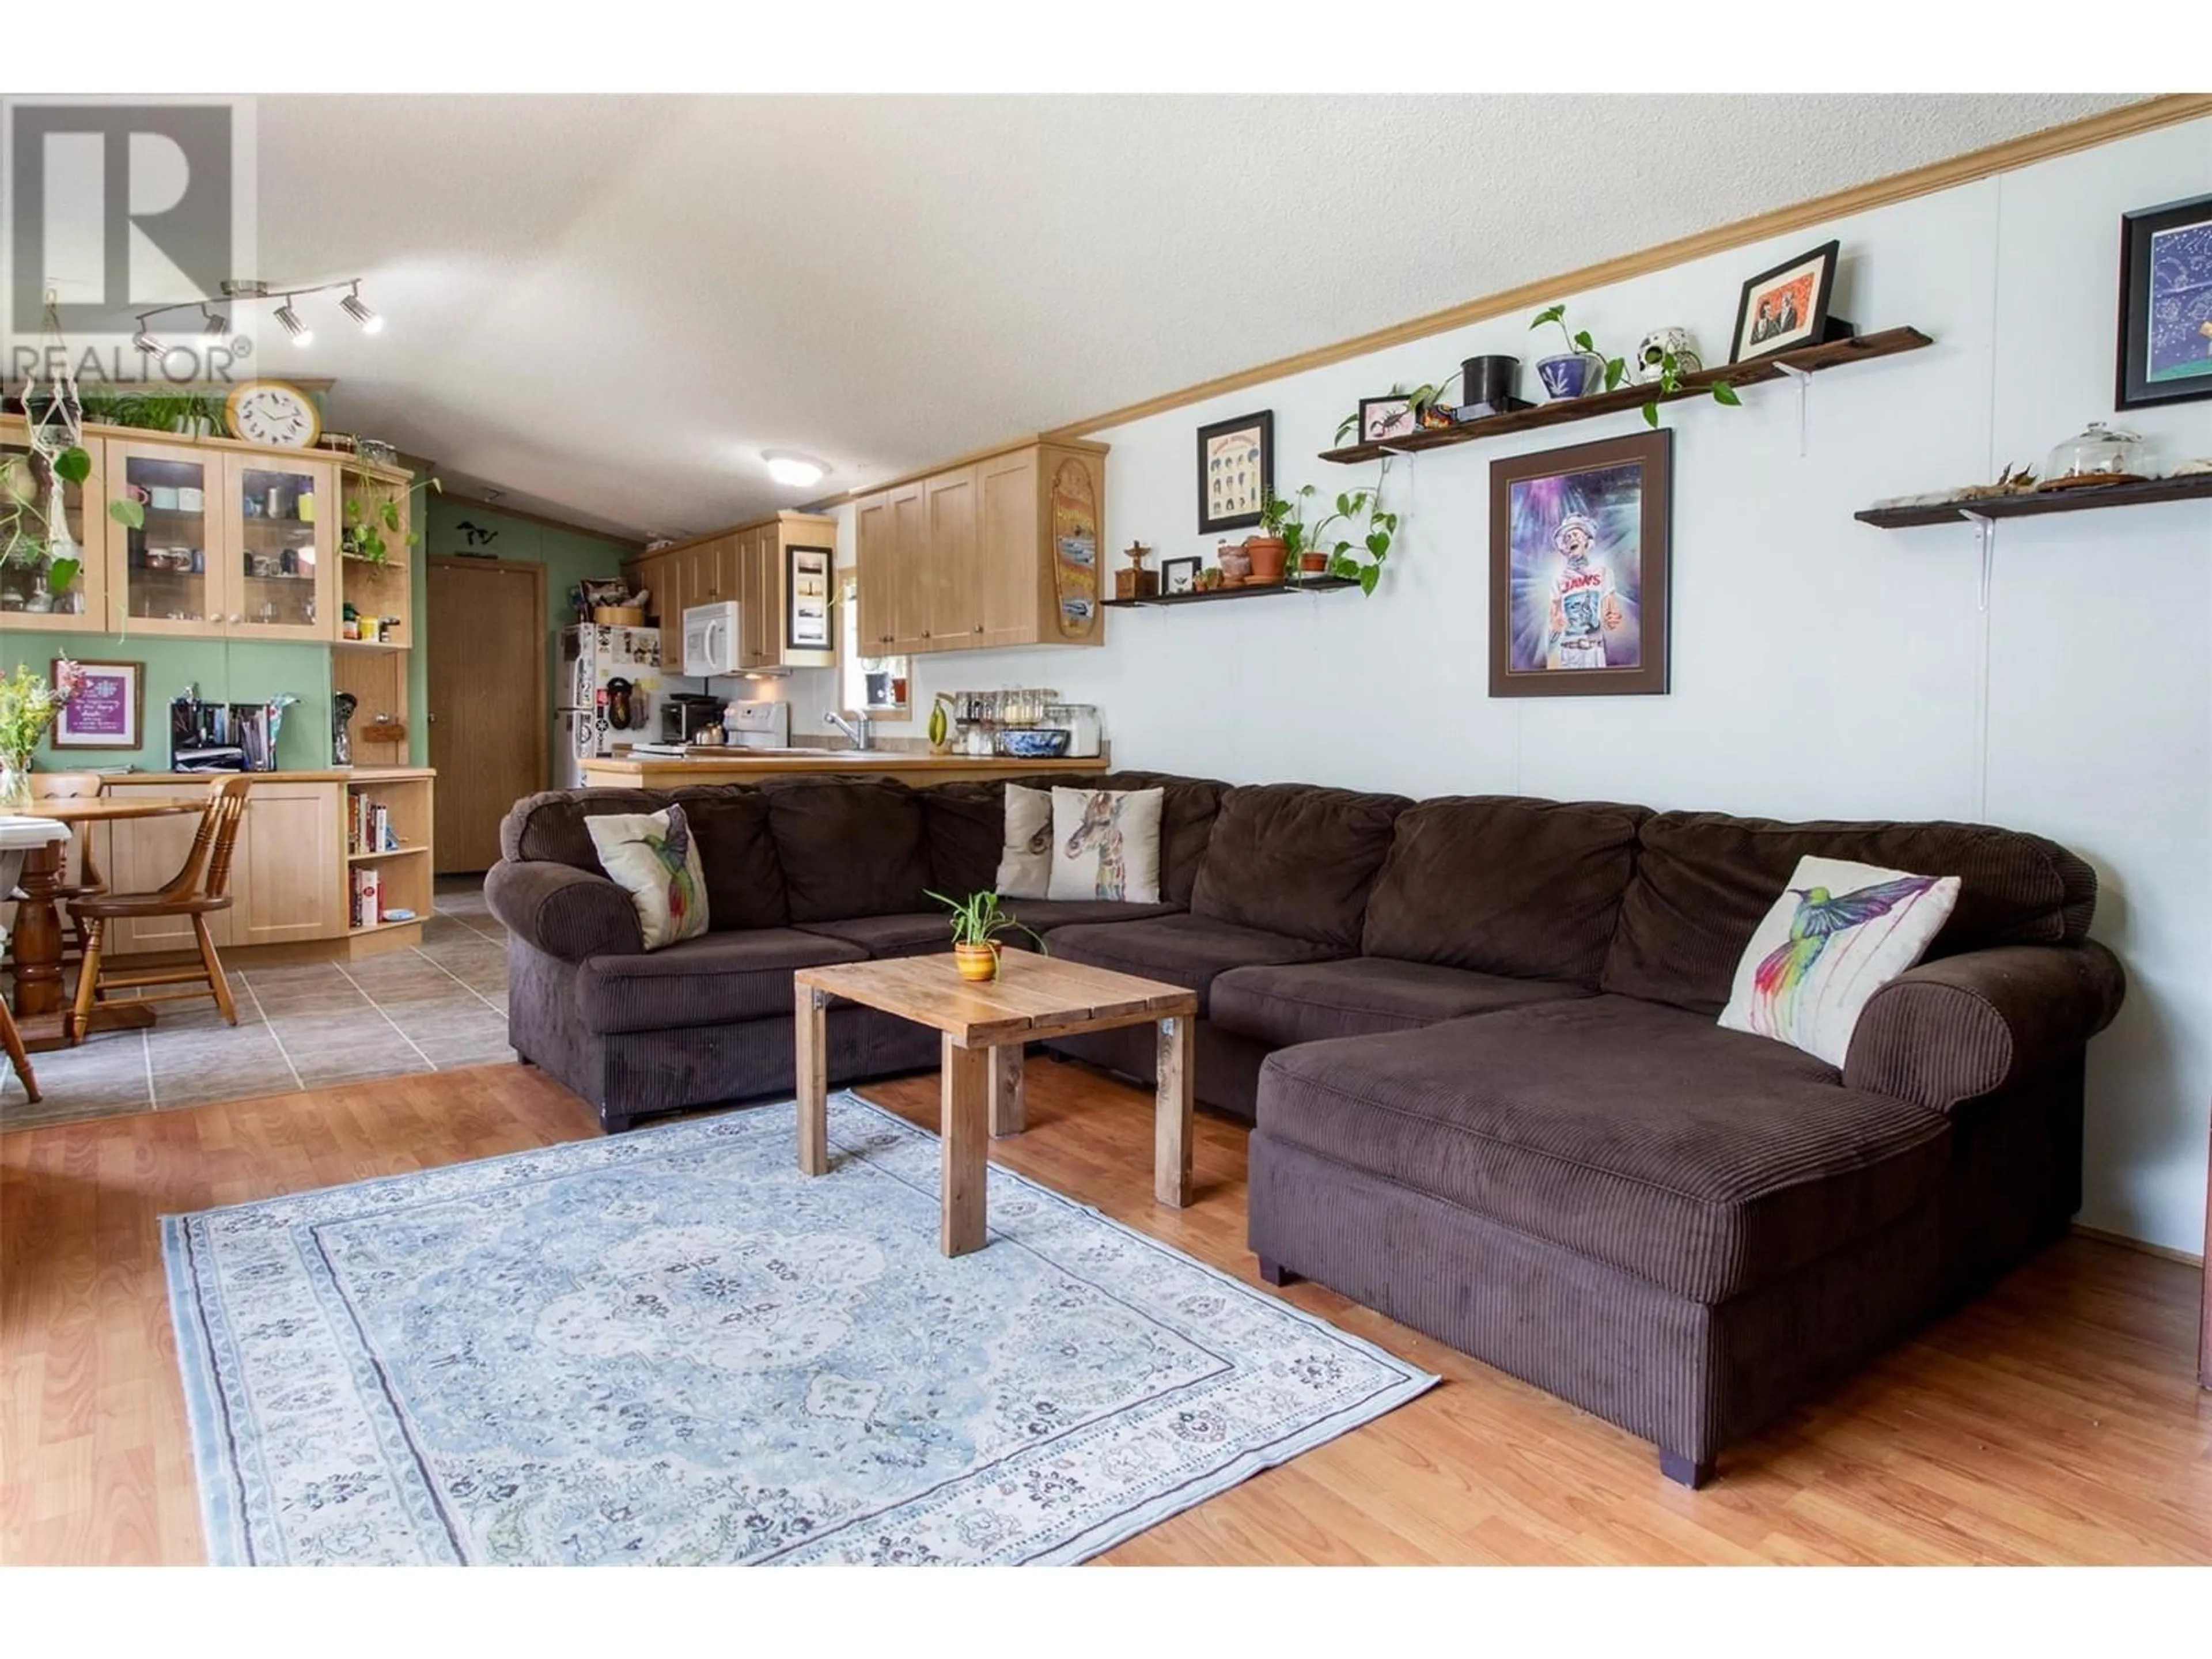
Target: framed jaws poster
{"x": 108, "y": 710}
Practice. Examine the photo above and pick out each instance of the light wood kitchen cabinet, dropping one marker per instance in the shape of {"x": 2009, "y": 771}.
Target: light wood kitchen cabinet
{"x": 284, "y": 888}
{"x": 1005, "y": 549}
{"x": 748, "y": 565}
{"x": 82, "y": 605}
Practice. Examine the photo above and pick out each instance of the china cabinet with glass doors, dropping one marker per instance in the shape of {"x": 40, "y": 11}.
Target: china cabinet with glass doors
{"x": 35, "y": 538}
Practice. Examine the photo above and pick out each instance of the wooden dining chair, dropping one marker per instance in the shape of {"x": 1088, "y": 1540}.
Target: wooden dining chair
{"x": 198, "y": 890}
{"x": 89, "y": 884}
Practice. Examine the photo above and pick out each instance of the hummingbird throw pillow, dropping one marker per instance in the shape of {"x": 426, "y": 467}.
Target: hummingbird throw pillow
{"x": 1026, "y": 861}
{"x": 1839, "y": 933}
{"x": 653, "y": 856}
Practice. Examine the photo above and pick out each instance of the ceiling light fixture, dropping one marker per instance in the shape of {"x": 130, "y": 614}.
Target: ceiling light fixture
{"x": 788, "y": 466}
{"x": 216, "y": 325}
{"x": 290, "y": 321}
{"x": 146, "y": 342}
{"x": 352, "y": 305}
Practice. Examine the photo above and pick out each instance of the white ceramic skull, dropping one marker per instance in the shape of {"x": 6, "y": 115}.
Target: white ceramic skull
{"x": 1660, "y": 342}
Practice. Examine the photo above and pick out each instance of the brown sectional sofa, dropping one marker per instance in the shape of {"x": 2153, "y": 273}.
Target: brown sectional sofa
{"x": 1477, "y": 1039}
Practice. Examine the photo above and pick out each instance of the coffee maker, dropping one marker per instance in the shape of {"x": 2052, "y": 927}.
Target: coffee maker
{"x": 684, "y": 714}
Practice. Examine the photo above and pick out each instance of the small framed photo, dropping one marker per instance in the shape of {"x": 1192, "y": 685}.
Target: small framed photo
{"x": 109, "y": 708}
{"x": 810, "y": 576}
{"x": 1787, "y": 306}
{"x": 1235, "y": 472}
{"x": 1382, "y": 419}
{"x": 1178, "y": 576}
{"x": 2165, "y": 305}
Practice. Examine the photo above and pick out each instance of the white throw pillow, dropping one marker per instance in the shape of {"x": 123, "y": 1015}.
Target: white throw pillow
{"x": 654, "y": 856}
{"x": 1106, "y": 845}
{"x": 1026, "y": 861}
{"x": 1839, "y": 933}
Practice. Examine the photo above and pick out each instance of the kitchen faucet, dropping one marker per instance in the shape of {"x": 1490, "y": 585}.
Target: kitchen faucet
{"x": 860, "y": 729}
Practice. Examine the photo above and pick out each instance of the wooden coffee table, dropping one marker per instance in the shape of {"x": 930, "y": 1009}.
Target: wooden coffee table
{"x": 984, "y": 1028}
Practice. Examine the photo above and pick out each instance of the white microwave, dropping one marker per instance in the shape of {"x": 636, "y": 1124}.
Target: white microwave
{"x": 710, "y": 639}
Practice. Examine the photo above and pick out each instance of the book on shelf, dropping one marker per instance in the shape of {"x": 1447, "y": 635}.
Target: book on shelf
{"x": 367, "y": 897}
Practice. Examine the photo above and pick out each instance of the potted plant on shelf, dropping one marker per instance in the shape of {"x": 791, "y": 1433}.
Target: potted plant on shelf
{"x": 977, "y": 922}
{"x": 38, "y": 537}
{"x": 1577, "y": 371}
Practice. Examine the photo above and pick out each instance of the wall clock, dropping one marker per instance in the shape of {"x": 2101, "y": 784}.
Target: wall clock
{"x": 273, "y": 412}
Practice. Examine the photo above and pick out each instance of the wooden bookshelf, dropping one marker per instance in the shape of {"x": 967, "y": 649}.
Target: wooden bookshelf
{"x": 1810, "y": 360}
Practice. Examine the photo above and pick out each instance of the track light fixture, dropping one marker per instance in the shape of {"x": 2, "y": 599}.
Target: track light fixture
{"x": 352, "y": 305}
{"x": 238, "y": 291}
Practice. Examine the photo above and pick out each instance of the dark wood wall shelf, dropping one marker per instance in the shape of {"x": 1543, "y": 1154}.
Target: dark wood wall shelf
{"x": 1809, "y": 360}
{"x": 2193, "y": 486}
{"x": 1314, "y": 584}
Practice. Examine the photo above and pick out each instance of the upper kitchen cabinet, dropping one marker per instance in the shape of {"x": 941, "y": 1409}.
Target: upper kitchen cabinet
{"x": 170, "y": 578}
{"x": 1001, "y": 550}
{"x": 281, "y": 580}
{"x": 751, "y": 567}
{"x": 35, "y": 535}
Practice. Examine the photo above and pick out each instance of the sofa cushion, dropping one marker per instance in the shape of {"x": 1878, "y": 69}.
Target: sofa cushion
{"x": 1504, "y": 884}
{"x": 713, "y": 980}
{"x": 849, "y": 847}
{"x": 1188, "y": 809}
{"x": 1702, "y": 1160}
{"x": 915, "y": 933}
{"x": 550, "y": 825}
{"x": 1307, "y": 1002}
{"x": 966, "y": 825}
{"x": 1045, "y": 914}
{"x": 1182, "y": 950}
{"x": 745, "y": 878}
{"x": 1290, "y": 859}
{"x": 1703, "y": 880}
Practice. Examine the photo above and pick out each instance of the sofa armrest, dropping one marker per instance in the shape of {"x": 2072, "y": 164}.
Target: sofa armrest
{"x": 1950, "y": 1031}
{"x": 562, "y": 910}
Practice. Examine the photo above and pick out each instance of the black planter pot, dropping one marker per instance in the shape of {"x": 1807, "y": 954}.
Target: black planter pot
{"x": 1487, "y": 384}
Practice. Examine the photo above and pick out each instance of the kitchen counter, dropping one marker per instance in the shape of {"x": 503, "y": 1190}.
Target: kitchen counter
{"x": 312, "y": 775}
{"x": 663, "y": 772}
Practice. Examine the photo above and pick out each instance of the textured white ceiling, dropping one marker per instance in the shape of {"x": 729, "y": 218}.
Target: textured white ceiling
{"x": 609, "y": 306}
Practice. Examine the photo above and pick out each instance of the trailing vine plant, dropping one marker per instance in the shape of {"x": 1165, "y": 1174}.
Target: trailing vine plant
{"x": 57, "y": 457}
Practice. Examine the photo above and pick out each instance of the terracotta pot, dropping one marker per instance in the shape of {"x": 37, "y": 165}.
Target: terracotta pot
{"x": 976, "y": 962}
{"x": 1268, "y": 554}
{"x": 1236, "y": 565}
{"x": 1313, "y": 564}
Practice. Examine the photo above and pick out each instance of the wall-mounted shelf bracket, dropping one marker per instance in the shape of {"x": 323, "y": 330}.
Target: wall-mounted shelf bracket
{"x": 1803, "y": 377}
{"x": 1985, "y": 538}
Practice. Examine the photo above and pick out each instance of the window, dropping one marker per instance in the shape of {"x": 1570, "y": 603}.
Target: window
{"x": 874, "y": 685}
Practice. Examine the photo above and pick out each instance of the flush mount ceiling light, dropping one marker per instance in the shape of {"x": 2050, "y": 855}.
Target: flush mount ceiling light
{"x": 290, "y": 321}
{"x": 788, "y": 466}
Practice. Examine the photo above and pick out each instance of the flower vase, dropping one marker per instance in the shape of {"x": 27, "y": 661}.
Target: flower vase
{"x": 14, "y": 783}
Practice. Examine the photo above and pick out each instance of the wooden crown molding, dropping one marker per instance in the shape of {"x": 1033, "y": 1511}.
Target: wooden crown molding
{"x": 2124, "y": 122}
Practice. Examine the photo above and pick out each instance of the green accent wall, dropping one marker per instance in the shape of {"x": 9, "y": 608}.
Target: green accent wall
{"x": 569, "y": 555}
{"x": 225, "y": 671}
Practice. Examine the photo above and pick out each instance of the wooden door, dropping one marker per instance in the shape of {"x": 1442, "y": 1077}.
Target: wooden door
{"x": 279, "y": 574}
{"x": 288, "y": 879}
{"x": 489, "y": 724}
{"x": 1009, "y": 565}
{"x": 948, "y": 584}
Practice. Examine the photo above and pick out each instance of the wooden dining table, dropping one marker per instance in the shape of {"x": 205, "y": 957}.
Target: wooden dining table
{"x": 36, "y": 939}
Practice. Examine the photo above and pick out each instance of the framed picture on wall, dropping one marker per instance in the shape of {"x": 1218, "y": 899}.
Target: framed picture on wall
{"x": 1578, "y": 569}
{"x": 1382, "y": 419}
{"x": 1235, "y": 472}
{"x": 109, "y": 708}
{"x": 2165, "y": 305}
{"x": 810, "y": 574}
{"x": 1787, "y": 306}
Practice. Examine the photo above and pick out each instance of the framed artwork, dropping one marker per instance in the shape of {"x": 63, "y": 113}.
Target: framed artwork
{"x": 1235, "y": 472}
{"x": 109, "y": 708}
{"x": 1179, "y": 577}
{"x": 1382, "y": 419}
{"x": 2165, "y": 305}
{"x": 1787, "y": 306}
{"x": 1578, "y": 568}
{"x": 809, "y": 577}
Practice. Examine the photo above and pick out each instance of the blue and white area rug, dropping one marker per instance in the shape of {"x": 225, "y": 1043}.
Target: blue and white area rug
{"x": 671, "y": 1346}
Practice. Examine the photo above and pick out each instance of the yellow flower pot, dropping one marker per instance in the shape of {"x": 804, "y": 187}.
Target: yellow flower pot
{"x": 976, "y": 962}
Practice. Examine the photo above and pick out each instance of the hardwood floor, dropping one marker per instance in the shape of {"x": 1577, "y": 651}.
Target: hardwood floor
{"x": 2058, "y": 1420}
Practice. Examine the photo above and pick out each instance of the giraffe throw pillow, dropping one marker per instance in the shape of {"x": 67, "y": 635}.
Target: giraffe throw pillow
{"x": 1106, "y": 845}
{"x": 1026, "y": 861}
{"x": 1839, "y": 933}
{"x": 653, "y": 856}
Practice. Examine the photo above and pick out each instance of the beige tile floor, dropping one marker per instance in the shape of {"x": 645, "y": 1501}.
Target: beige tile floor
{"x": 432, "y": 1007}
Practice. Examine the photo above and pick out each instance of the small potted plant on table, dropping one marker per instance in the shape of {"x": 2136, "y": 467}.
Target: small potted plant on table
{"x": 977, "y": 922}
